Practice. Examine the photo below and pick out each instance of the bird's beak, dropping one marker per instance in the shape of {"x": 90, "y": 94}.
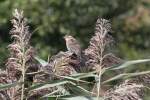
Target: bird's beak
{"x": 65, "y": 37}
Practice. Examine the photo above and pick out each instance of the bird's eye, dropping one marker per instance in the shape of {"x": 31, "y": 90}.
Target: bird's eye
{"x": 71, "y": 40}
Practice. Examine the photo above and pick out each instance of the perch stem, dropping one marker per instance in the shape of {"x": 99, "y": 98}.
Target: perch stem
{"x": 23, "y": 74}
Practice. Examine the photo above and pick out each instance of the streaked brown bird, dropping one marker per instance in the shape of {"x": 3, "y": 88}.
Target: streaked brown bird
{"x": 73, "y": 45}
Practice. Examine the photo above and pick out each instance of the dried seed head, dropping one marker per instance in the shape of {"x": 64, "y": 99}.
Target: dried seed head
{"x": 20, "y": 52}
{"x": 35, "y": 95}
{"x": 62, "y": 67}
{"x": 97, "y": 53}
{"x": 19, "y": 49}
{"x": 126, "y": 91}
{"x": 144, "y": 79}
{"x": 3, "y": 77}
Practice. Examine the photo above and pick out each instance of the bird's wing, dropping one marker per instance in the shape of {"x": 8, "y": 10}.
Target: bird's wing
{"x": 74, "y": 47}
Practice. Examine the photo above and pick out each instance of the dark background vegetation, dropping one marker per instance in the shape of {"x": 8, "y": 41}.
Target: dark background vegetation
{"x": 50, "y": 20}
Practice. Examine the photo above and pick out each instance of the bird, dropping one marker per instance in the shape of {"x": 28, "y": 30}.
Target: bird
{"x": 73, "y": 45}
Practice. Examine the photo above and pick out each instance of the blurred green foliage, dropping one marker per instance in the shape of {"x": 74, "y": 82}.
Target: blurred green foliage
{"x": 50, "y": 20}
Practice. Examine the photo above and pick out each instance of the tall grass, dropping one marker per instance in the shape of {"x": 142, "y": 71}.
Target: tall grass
{"x": 64, "y": 75}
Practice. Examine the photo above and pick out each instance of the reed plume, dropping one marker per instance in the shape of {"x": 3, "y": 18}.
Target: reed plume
{"x": 97, "y": 52}
{"x": 20, "y": 50}
{"x": 59, "y": 66}
{"x": 126, "y": 91}
{"x": 4, "y": 79}
{"x": 98, "y": 56}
